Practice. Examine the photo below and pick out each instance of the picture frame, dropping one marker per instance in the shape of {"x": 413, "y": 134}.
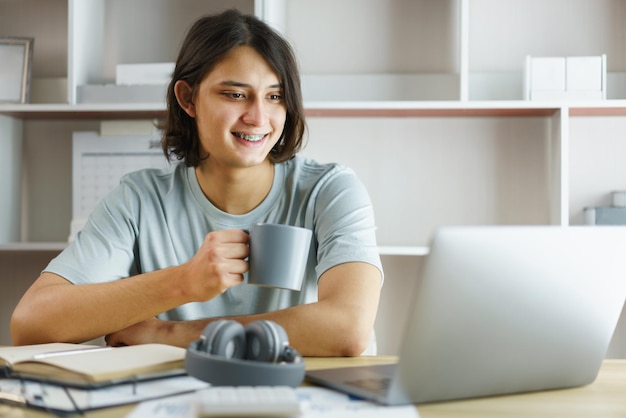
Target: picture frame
{"x": 16, "y": 55}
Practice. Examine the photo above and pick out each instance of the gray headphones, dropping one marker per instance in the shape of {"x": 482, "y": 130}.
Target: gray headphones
{"x": 227, "y": 354}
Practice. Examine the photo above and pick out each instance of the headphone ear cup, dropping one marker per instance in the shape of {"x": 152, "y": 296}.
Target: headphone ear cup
{"x": 226, "y": 338}
{"x": 265, "y": 341}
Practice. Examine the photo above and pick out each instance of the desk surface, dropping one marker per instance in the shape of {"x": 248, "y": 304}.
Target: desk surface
{"x": 606, "y": 397}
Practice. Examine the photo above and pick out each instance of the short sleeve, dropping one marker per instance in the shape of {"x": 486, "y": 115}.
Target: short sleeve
{"x": 104, "y": 249}
{"x": 344, "y": 222}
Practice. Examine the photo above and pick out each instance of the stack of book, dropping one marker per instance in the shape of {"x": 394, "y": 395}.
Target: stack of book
{"x": 608, "y": 215}
{"x": 73, "y": 378}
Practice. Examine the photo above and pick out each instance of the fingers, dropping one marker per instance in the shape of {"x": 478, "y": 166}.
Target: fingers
{"x": 231, "y": 244}
{"x": 219, "y": 264}
{"x": 143, "y": 332}
{"x": 112, "y": 340}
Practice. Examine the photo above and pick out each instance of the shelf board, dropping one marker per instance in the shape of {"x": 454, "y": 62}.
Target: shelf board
{"x": 456, "y": 108}
{"x": 33, "y": 246}
{"x": 602, "y": 108}
{"x": 335, "y": 109}
{"x": 429, "y": 109}
{"x": 85, "y": 111}
{"x": 403, "y": 250}
{"x": 60, "y": 246}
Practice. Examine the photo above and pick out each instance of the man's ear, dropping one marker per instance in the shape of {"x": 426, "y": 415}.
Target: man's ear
{"x": 184, "y": 96}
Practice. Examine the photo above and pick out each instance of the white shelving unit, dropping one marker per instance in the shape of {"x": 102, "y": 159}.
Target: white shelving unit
{"x": 422, "y": 98}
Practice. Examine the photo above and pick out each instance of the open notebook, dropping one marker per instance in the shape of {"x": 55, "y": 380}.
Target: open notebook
{"x": 502, "y": 310}
{"x": 91, "y": 366}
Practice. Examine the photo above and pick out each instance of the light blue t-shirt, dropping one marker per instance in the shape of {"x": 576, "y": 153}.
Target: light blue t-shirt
{"x": 159, "y": 218}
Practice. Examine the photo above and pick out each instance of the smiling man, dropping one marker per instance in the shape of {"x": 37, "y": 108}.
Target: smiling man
{"x": 166, "y": 252}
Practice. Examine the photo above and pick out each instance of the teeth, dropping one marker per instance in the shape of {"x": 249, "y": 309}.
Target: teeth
{"x": 251, "y": 138}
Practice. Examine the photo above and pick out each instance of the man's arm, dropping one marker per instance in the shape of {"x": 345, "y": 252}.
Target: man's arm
{"x": 340, "y": 323}
{"x": 55, "y": 310}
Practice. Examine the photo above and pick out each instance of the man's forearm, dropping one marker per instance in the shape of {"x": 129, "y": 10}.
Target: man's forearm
{"x": 56, "y": 310}
{"x": 339, "y": 324}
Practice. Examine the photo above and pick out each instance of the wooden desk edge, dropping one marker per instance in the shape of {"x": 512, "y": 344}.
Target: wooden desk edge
{"x": 604, "y": 397}
{"x": 314, "y": 363}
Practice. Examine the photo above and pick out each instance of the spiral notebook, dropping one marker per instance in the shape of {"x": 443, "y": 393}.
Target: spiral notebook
{"x": 72, "y": 400}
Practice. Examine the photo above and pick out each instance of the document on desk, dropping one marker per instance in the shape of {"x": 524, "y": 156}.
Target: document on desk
{"x": 320, "y": 402}
{"x": 65, "y": 400}
{"x": 316, "y": 402}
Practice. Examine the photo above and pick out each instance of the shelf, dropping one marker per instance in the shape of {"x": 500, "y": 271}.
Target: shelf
{"x": 494, "y": 155}
{"x": 33, "y": 246}
{"x": 511, "y": 108}
{"x": 312, "y": 109}
{"x": 429, "y": 109}
{"x": 60, "y": 246}
{"x": 603, "y": 108}
{"x": 84, "y": 111}
{"x": 403, "y": 251}
{"x": 430, "y": 114}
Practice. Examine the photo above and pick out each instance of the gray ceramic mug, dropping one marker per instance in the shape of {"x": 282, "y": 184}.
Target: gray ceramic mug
{"x": 278, "y": 255}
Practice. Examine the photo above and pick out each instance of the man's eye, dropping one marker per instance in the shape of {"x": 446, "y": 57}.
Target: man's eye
{"x": 234, "y": 95}
{"x": 275, "y": 97}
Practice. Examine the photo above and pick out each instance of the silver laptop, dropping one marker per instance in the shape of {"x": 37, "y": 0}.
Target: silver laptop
{"x": 502, "y": 310}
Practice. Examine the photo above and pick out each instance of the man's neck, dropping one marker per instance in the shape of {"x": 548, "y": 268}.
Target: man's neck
{"x": 236, "y": 191}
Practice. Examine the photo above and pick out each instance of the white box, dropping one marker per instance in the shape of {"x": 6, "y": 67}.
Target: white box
{"x": 548, "y": 74}
{"x": 584, "y": 73}
{"x": 144, "y": 74}
{"x": 565, "y": 78}
{"x": 112, "y": 93}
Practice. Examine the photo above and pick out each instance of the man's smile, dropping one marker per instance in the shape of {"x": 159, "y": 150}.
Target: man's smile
{"x": 249, "y": 138}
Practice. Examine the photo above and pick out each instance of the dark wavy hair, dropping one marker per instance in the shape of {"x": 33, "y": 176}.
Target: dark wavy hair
{"x": 208, "y": 42}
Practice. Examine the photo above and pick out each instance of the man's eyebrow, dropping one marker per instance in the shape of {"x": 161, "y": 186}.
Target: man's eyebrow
{"x": 232, "y": 83}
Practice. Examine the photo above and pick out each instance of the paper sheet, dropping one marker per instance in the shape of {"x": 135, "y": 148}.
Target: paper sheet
{"x": 316, "y": 402}
{"x": 320, "y": 402}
